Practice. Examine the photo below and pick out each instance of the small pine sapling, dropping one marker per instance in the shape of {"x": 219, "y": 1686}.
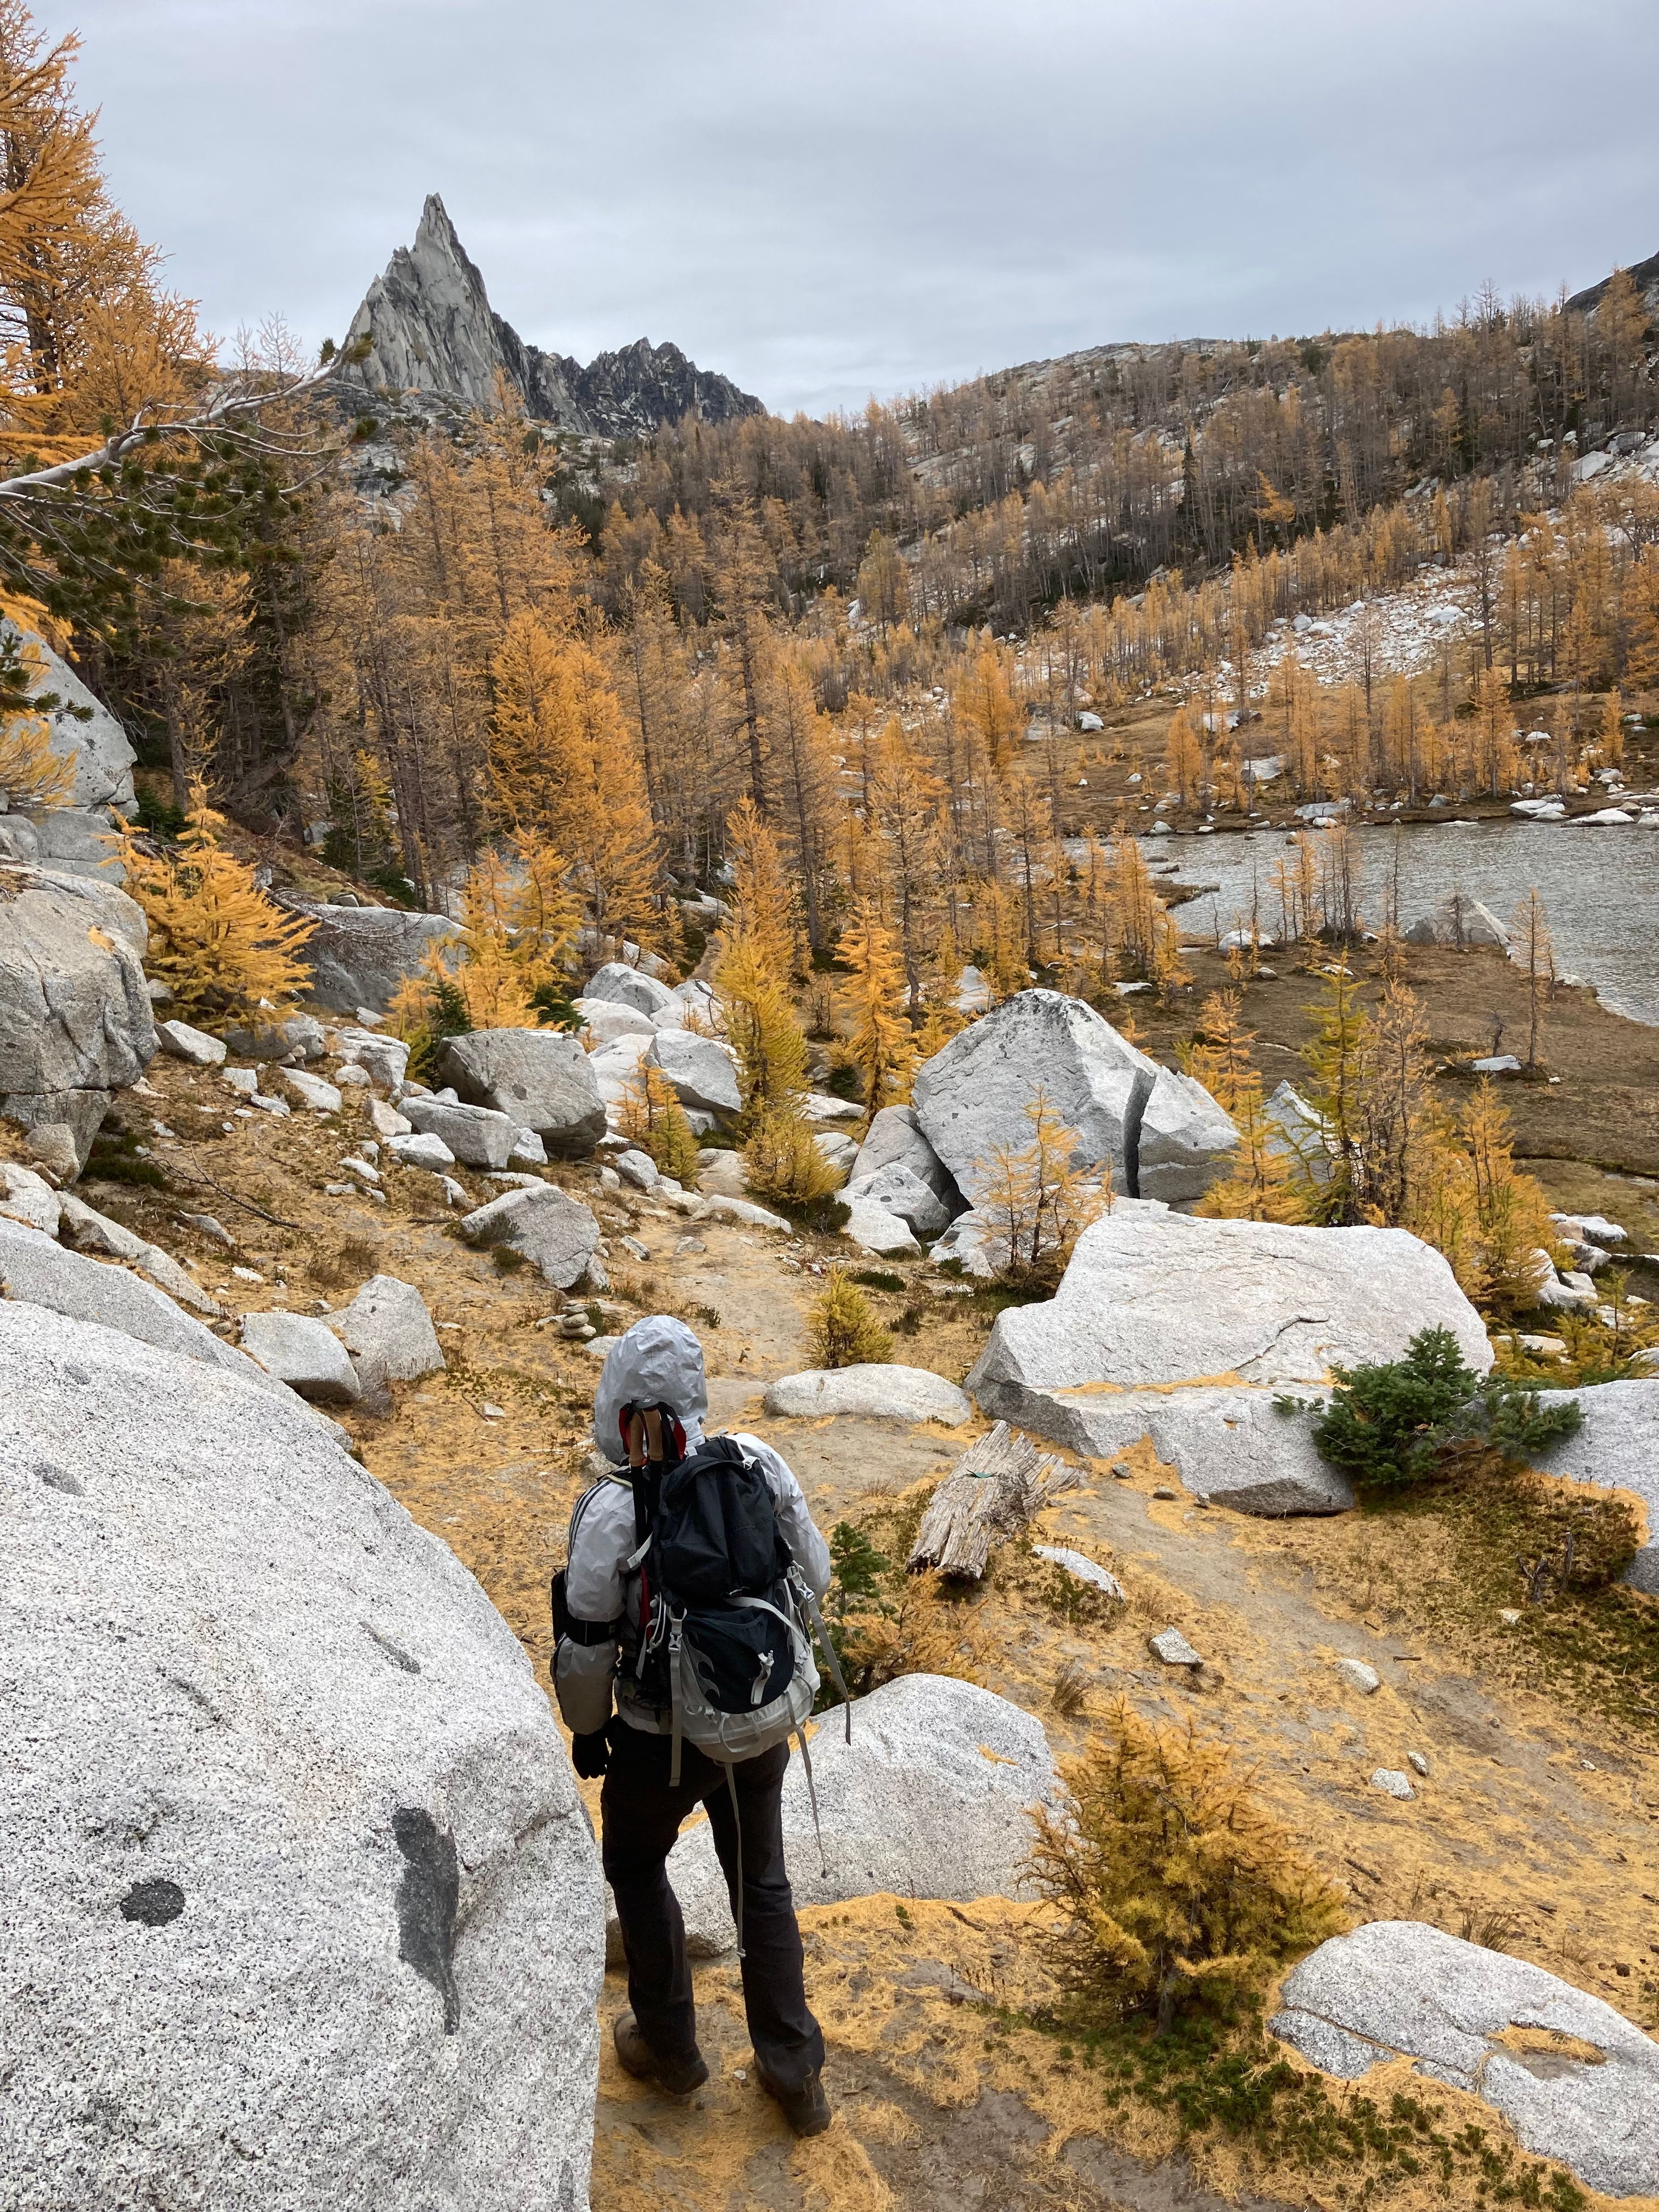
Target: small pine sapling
{"x": 858, "y": 1568}
{"x": 845, "y": 1329}
{"x": 884, "y": 1623}
{"x": 1398, "y": 1422}
{"x": 652, "y": 1118}
{"x": 1175, "y": 1891}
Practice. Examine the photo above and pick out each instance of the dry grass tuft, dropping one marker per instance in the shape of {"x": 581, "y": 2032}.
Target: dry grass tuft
{"x": 919, "y": 1630}
{"x": 344, "y": 1266}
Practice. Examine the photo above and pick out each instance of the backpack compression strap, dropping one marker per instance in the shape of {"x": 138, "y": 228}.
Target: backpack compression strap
{"x": 737, "y": 1825}
{"x": 804, "y": 1592}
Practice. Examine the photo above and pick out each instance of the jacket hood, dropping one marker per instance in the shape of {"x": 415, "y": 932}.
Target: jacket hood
{"x": 658, "y": 1363}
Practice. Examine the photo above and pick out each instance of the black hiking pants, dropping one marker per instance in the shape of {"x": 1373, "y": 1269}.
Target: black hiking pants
{"x": 640, "y": 1818}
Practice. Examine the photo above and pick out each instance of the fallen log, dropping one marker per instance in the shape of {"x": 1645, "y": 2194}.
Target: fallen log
{"x": 995, "y": 1489}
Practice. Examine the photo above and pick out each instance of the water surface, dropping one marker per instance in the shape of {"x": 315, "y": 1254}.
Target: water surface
{"x": 1601, "y": 888}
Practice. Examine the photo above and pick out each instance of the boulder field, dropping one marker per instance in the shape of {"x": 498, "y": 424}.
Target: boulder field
{"x": 301, "y": 1908}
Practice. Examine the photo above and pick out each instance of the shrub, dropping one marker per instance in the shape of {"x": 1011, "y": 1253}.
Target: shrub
{"x": 1400, "y": 1421}
{"x": 846, "y": 1332}
{"x": 884, "y": 1622}
{"x": 114, "y": 1158}
{"x": 1176, "y": 1892}
{"x": 781, "y": 1160}
{"x": 654, "y": 1119}
{"x": 818, "y": 1006}
{"x": 348, "y": 1263}
{"x": 1069, "y": 1694}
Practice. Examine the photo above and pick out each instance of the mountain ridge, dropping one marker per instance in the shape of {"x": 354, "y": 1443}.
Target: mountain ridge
{"x": 1644, "y": 274}
{"x": 426, "y": 324}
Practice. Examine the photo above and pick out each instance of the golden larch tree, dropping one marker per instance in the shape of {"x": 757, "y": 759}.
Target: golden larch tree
{"x": 1534, "y": 953}
{"x": 84, "y": 331}
{"x": 226, "y": 952}
{"x": 563, "y": 765}
{"x": 879, "y": 1044}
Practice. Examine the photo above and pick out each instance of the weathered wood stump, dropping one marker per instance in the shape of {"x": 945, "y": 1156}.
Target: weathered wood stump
{"x": 996, "y": 1486}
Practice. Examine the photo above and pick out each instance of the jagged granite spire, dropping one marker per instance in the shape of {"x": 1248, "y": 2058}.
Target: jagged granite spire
{"x": 430, "y": 328}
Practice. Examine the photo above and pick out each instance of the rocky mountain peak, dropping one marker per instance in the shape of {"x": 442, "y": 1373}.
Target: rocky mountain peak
{"x": 428, "y": 318}
{"x": 430, "y": 328}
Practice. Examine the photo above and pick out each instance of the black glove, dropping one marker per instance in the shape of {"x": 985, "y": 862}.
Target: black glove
{"x": 590, "y": 1754}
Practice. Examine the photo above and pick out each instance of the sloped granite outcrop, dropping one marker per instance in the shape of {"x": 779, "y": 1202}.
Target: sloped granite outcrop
{"x": 301, "y": 1908}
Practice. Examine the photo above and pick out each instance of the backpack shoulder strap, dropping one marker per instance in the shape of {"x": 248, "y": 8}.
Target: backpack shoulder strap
{"x": 646, "y": 1482}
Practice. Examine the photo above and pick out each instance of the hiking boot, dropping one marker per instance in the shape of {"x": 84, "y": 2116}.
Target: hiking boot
{"x": 806, "y": 2109}
{"x": 675, "y": 2077}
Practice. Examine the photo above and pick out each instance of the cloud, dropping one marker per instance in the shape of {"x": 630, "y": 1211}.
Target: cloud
{"x": 829, "y": 203}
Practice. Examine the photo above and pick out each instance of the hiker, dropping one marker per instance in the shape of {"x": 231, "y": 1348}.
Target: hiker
{"x": 640, "y": 1541}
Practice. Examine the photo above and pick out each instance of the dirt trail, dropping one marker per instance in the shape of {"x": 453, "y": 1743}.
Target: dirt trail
{"x": 1538, "y": 1825}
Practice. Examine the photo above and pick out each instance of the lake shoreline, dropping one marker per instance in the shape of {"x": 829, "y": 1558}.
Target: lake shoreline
{"x": 1600, "y": 888}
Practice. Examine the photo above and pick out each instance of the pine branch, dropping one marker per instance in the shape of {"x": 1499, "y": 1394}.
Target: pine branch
{"x": 221, "y": 413}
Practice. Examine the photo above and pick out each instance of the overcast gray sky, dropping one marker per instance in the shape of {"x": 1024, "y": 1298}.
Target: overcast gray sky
{"x": 831, "y": 200}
